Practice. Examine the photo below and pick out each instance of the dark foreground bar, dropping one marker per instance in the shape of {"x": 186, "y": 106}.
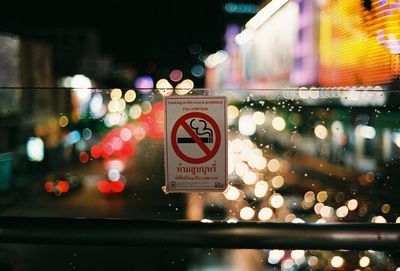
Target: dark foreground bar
{"x": 82, "y": 231}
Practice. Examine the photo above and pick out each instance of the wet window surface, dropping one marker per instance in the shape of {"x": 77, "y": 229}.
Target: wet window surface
{"x": 294, "y": 155}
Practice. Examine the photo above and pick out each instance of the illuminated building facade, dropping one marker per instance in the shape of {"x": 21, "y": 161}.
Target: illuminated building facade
{"x": 325, "y": 44}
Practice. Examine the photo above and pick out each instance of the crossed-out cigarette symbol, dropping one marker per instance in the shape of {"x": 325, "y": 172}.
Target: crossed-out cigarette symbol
{"x": 200, "y": 127}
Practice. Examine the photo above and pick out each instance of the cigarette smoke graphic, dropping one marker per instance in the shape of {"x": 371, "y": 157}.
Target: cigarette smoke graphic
{"x": 200, "y": 126}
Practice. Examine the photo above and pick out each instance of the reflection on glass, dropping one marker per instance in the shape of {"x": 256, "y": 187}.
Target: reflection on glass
{"x": 288, "y": 161}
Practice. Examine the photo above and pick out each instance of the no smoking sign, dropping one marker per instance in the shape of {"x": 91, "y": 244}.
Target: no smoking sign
{"x": 195, "y": 143}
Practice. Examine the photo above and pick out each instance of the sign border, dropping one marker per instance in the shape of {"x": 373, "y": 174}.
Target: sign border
{"x": 224, "y": 135}
{"x": 213, "y": 151}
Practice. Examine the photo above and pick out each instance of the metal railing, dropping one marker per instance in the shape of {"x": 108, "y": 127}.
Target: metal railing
{"x": 125, "y": 232}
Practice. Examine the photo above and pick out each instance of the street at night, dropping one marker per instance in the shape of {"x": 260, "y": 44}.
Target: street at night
{"x": 215, "y": 135}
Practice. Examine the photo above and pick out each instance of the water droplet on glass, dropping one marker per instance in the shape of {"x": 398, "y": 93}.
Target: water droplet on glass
{"x": 164, "y": 189}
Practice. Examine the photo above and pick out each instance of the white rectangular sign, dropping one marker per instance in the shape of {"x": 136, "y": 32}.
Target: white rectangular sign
{"x": 195, "y": 143}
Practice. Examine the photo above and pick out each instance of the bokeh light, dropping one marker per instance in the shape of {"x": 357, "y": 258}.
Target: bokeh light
{"x": 63, "y": 121}
{"x": 261, "y": 189}
{"x": 352, "y": 204}
{"x": 342, "y": 211}
{"x": 337, "y": 261}
{"x": 247, "y": 213}
{"x": 249, "y": 178}
{"x": 364, "y": 261}
{"x": 259, "y": 118}
{"x": 265, "y": 214}
{"x": 35, "y": 149}
{"x": 130, "y": 96}
{"x": 176, "y": 75}
{"x": 184, "y": 87}
{"x": 231, "y": 193}
{"x": 233, "y": 112}
{"x": 274, "y": 165}
{"x": 135, "y": 111}
{"x": 278, "y": 123}
{"x": 320, "y": 131}
{"x": 164, "y": 87}
{"x": 247, "y": 125}
{"x": 276, "y": 200}
{"x": 277, "y": 181}
{"x": 197, "y": 71}
{"x": 144, "y": 83}
{"x": 322, "y": 196}
{"x": 275, "y": 256}
{"x": 115, "y": 94}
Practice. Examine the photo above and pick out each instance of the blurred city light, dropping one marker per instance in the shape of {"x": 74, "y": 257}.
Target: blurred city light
{"x": 247, "y": 125}
{"x": 35, "y": 149}
{"x": 249, "y": 178}
{"x": 277, "y": 200}
{"x": 320, "y": 131}
{"x": 240, "y": 8}
{"x": 352, "y": 204}
{"x": 261, "y": 189}
{"x": 130, "y": 96}
{"x": 278, "y": 123}
{"x": 274, "y": 165}
{"x": 113, "y": 174}
{"x": 87, "y": 133}
{"x": 135, "y": 111}
{"x": 116, "y": 94}
{"x": 337, "y": 261}
{"x": 342, "y": 211}
{"x": 396, "y": 139}
{"x": 73, "y": 137}
{"x": 97, "y": 108}
{"x": 278, "y": 181}
{"x": 215, "y": 59}
{"x": 164, "y": 87}
{"x": 259, "y": 118}
{"x": 264, "y": 14}
{"x": 275, "y": 256}
{"x": 231, "y": 193}
{"x": 144, "y": 83}
{"x": 367, "y": 132}
{"x": 233, "y": 112}
{"x": 176, "y": 75}
{"x": 197, "y": 71}
{"x": 247, "y": 213}
{"x": 265, "y": 214}
{"x": 184, "y": 87}
{"x": 63, "y": 121}
{"x": 81, "y": 85}
{"x": 364, "y": 261}
{"x": 81, "y": 81}
{"x": 244, "y": 37}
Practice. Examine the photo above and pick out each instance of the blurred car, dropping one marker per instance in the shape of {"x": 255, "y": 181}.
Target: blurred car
{"x": 108, "y": 187}
{"x": 60, "y": 185}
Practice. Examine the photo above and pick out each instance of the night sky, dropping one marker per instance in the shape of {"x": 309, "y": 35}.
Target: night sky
{"x": 140, "y": 33}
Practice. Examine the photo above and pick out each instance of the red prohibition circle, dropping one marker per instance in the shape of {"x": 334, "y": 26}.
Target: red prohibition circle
{"x": 209, "y": 153}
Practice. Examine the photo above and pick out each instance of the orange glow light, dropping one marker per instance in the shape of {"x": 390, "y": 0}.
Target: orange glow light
{"x": 49, "y": 187}
{"x": 63, "y": 186}
{"x": 104, "y": 186}
{"x": 351, "y": 49}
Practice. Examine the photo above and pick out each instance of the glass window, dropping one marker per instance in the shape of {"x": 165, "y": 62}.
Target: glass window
{"x": 306, "y": 155}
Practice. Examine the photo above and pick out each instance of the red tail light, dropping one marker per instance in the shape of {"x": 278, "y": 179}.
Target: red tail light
{"x": 117, "y": 186}
{"x": 49, "y": 187}
{"x": 63, "y": 186}
{"x": 104, "y": 186}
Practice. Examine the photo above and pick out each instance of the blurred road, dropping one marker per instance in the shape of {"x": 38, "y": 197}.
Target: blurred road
{"x": 143, "y": 198}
